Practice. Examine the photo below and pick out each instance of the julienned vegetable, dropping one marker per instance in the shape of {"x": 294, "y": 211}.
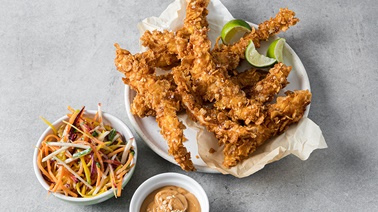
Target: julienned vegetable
{"x": 84, "y": 157}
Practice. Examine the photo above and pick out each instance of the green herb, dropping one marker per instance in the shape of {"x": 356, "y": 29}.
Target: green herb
{"x": 112, "y": 134}
{"x": 82, "y": 153}
{"x": 94, "y": 134}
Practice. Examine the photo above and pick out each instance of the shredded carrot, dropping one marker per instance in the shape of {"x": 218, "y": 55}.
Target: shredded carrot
{"x": 116, "y": 152}
{"x": 59, "y": 182}
{"x": 120, "y": 175}
{"x": 51, "y": 186}
{"x": 119, "y": 187}
{"x": 95, "y": 117}
{"x": 43, "y": 170}
{"x": 132, "y": 165}
{"x": 68, "y": 191}
{"x": 131, "y": 156}
{"x": 68, "y": 127}
{"x": 84, "y": 150}
{"x": 51, "y": 174}
{"x": 45, "y": 149}
{"x": 99, "y": 175}
{"x": 51, "y": 136}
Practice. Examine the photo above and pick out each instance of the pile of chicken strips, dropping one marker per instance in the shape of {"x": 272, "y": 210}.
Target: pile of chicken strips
{"x": 241, "y": 108}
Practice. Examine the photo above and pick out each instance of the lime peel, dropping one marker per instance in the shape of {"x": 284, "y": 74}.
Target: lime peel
{"x": 256, "y": 59}
{"x": 233, "y": 30}
{"x": 275, "y": 49}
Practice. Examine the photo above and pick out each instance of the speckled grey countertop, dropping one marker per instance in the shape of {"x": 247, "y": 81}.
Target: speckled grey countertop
{"x": 55, "y": 54}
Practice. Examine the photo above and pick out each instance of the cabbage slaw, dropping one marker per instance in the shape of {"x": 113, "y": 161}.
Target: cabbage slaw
{"x": 84, "y": 157}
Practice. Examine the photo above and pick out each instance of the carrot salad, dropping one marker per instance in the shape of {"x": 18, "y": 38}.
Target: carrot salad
{"x": 84, "y": 157}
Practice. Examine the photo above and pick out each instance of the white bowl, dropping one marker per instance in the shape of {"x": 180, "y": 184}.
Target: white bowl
{"x": 169, "y": 179}
{"x": 108, "y": 119}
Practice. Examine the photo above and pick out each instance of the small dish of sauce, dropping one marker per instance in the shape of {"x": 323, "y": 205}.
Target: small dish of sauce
{"x": 170, "y": 199}
{"x": 169, "y": 192}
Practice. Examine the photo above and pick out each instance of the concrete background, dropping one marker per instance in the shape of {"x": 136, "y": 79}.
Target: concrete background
{"x": 55, "y": 54}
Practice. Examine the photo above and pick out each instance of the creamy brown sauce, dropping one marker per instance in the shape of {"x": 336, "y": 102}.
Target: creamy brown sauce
{"x": 170, "y": 199}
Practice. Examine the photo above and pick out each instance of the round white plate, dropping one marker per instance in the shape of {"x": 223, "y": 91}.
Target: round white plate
{"x": 149, "y": 131}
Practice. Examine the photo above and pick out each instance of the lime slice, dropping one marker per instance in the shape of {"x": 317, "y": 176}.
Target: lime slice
{"x": 233, "y": 30}
{"x": 256, "y": 59}
{"x": 275, "y": 49}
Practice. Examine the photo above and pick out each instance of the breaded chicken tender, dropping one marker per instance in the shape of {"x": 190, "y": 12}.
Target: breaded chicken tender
{"x": 156, "y": 94}
{"x": 241, "y": 108}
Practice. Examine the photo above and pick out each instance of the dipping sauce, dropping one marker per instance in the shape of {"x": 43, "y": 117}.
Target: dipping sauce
{"x": 170, "y": 199}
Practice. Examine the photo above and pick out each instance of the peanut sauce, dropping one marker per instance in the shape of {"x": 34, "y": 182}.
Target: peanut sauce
{"x": 170, "y": 199}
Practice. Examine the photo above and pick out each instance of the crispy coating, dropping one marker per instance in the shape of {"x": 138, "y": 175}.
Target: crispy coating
{"x": 234, "y": 106}
{"x": 286, "y": 111}
{"x": 210, "y": 82}
{"x": 267, "y": 88}
{"x": 167, "y": 44}
{"x": 231, "y": 132}
{"x": 216, "y": 121}
{"x": 142, "y": 102}
{"x": 166, "y": 47}
{"x": 248, "y": 78}
{"x": 164, "y": 44}
{"x": 200, "y": 78}
{"x": 241, "y": 140}
{"x": 230, "y": 55}
{"x": 156, "y": 94}
{"x": 161, "y": 98}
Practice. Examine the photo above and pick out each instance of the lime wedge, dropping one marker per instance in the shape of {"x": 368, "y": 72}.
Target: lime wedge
{"x": 256, "y": 59}
{"x": 233, "y": 30}
{"x": 275, "y": 49}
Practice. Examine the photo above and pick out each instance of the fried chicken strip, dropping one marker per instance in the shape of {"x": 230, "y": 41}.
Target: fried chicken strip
{"x": 169, "y": 44}
{"x": 241, "y": 140}
{"x": 156, "y": 94}
{"x": 199, "y": 77}
{"x": 216, "y": 121}
{"x": 248, "y": 78}
{"x": 286, "y": 111}
{"x": 240, "y": 122}
{"x": 142, "y": 104}
{"x": 211, "y": 83}
{"x": 164, "y": 47}
{"x": 266, "y": 89}
{"x": 162, "y": 99}
{"x": 230, "y": 55}
{"x": 226, "y": 55}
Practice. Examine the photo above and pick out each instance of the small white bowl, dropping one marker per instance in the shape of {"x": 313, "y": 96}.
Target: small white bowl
{"x": 109, "y": 120}
{"x": 169, "y": 179}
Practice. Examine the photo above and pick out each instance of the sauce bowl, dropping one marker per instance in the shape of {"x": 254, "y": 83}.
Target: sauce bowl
{"x": 169, "y": 179}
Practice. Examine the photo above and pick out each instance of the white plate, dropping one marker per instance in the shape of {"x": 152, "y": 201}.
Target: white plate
{"x": 149, "y": 131}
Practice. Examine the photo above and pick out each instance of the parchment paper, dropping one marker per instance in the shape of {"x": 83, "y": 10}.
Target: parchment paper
{"x": 300, "y": 139}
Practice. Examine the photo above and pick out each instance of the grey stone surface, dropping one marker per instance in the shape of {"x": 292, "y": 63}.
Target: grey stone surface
{"x": 59, "y": 53}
